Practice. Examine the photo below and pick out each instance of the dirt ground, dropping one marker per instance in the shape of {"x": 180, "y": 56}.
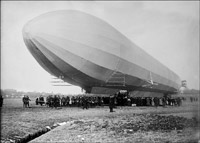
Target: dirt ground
{"x": 126, "y": 124}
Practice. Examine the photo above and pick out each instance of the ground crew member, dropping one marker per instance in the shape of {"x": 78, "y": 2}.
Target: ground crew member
{"x": 111, "y": 103}
{"x": 27, "y": 100}
{"x": 85, "y": 102}
{"x": 24, "y": 101}
{"x": 1, "y": 100}
{"x": 36, "y": 101}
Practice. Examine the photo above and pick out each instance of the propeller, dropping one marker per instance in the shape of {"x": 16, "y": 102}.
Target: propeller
{"x": 150, "y": 82}
{"x": 60, "y": 80}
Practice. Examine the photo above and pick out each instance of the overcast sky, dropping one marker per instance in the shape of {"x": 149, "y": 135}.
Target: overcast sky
{"x": 169, "y": 31}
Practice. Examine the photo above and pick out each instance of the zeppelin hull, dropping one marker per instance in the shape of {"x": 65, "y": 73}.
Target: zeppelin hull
{"x": 88, "y": 52}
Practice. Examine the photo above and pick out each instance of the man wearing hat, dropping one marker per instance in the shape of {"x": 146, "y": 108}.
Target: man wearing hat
{"x": 111, "y": 103}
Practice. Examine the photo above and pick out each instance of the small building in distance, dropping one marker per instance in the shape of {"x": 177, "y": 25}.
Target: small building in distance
{"x": 183, "y": 87}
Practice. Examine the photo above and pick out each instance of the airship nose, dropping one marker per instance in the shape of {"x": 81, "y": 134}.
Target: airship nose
{"x": 28, "y": 37}
{"x": 26, "y": 33}
{"x": 28, "y": 30}
{"x": 30, "y": 33}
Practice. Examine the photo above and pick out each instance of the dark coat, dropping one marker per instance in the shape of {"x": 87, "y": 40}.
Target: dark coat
{"x": 112, "y": 101}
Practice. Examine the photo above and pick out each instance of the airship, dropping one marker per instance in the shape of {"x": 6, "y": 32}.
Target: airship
{"x": 88, "y": 52}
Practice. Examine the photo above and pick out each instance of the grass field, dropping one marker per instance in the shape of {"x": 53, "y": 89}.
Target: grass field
{"x": 17, "y": 122}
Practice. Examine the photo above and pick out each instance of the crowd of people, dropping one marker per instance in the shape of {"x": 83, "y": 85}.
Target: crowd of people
{"x": 117, "y": 100}
{"x": 193, "y": 99}
{"x": 40, "y": 100}
{"x": 126, "y": 100}
{"x": 84, "y": 101}
{"x": 149, "y": 101}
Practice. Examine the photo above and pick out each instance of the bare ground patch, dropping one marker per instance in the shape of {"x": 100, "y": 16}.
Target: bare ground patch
{"x": 120, "y": 126}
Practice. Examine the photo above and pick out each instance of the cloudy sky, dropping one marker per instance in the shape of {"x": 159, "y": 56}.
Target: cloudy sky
{"x": 169, "y": 31}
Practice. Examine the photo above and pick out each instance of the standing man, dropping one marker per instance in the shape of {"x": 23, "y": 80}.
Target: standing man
{"x": 24, "y": 101}
{"x": 1, "y": 100}
{"x": 111, "y": 103}
{"x": 36, "y": 101}
{"x": 27, "y": 100}
{"x": 85, "y": 102}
